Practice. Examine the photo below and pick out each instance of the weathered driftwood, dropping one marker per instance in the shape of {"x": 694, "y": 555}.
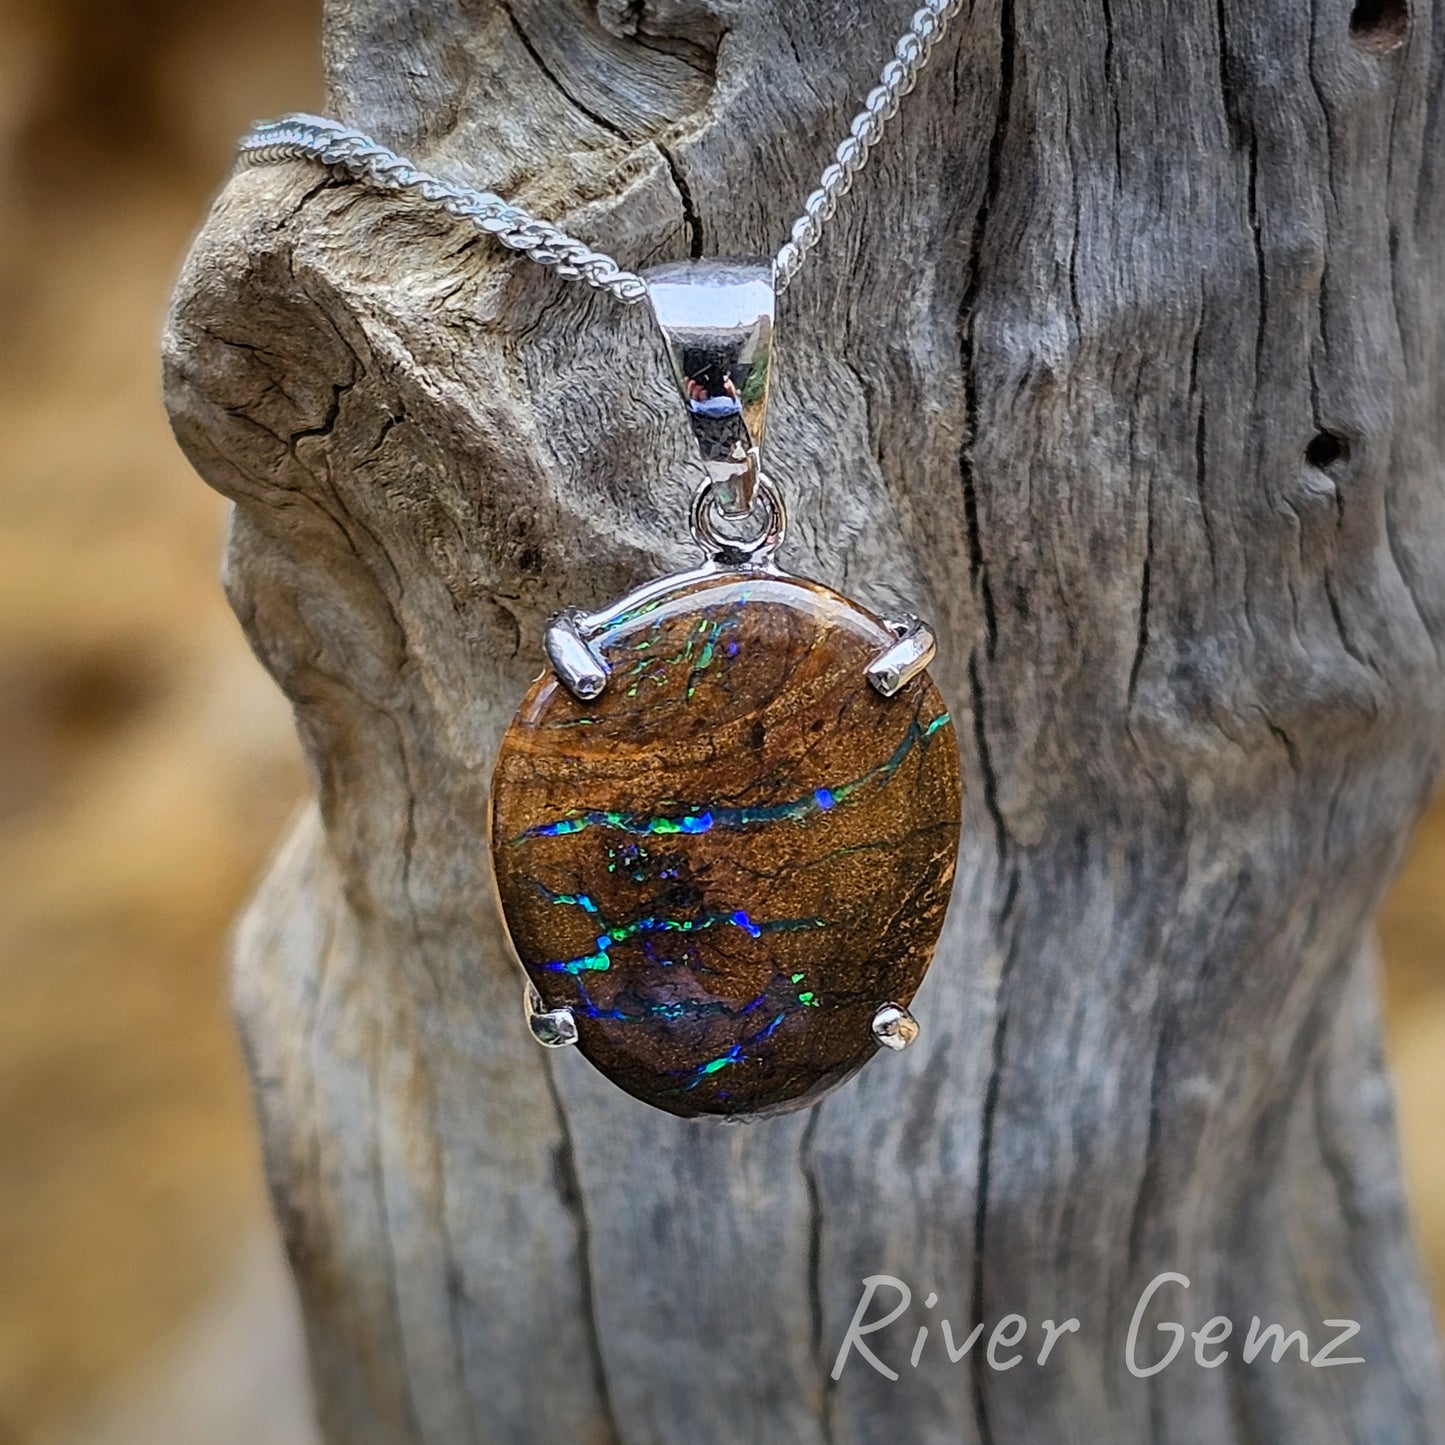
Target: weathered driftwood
{"x": 1125, "y": 363}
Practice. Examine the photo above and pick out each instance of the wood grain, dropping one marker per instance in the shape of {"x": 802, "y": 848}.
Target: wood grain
{"x": 1125, "y": 365}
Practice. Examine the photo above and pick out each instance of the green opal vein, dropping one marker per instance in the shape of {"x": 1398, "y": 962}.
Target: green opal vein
{"x": 702, "y": 819}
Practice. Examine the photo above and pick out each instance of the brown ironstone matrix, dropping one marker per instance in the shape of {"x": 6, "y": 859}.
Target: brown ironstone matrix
{"x": 731, "y": 859}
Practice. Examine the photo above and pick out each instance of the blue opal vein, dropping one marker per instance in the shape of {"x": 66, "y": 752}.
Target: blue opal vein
{"x": 734, "y": 1055}
{"x": 704, "y": 820}
{"x": 673, "y": 1010}
{"x": 600, "y": 959}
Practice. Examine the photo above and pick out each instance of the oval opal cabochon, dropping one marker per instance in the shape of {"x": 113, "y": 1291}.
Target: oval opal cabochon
{"x": 731, "y": 859}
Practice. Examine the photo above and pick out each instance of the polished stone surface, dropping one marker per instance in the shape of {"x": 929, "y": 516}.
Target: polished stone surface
{"x": 726, "y": 863}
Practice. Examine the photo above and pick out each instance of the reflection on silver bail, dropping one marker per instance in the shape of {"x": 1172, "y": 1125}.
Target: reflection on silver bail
{"x": 717, "y": 320}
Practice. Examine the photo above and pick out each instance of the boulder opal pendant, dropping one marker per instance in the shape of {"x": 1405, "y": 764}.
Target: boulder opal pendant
{"x": 724, "y": 823}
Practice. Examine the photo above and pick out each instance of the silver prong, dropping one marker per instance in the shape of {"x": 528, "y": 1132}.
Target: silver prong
{"x": 578, "y": 665}
{"x": 895, "y": 667}
{"x": 552, "y": 1028}
{"x": 894, "y": 1027}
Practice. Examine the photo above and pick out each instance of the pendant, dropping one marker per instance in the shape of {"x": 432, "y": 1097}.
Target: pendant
{"x": 724, "y": 822}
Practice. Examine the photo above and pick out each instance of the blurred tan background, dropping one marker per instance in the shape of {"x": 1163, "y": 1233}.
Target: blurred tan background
{"x": 147, "y": 766}
{"x": 146, "y": 763}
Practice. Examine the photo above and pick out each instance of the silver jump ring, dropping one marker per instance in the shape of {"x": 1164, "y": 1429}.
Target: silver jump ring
{"x": 706, "y": 513}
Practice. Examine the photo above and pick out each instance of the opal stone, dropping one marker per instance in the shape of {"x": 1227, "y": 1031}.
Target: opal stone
{"x": 726, "y": 863}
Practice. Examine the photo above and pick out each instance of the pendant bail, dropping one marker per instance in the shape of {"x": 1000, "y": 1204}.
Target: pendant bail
{"x": 717, "y": 320}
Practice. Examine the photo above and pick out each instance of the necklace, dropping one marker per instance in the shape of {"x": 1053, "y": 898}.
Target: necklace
{"x": 724, "y": 821}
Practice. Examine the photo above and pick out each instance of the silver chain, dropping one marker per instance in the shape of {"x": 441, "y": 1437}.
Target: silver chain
{"x": 899, "y": 76}
{"x": 354, "y": 154}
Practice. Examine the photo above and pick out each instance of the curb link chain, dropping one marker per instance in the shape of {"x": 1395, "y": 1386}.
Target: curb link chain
{"x": 354, "y": 154}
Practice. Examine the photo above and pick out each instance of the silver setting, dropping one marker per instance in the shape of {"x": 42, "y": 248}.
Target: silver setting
{"x": 894, "y": 1027}
{"x": 895, "y": 667}
{"x": 590, "y": 624}
{"x": 581, "y": 669}
{"x": 716, "y": 318}
{"x": 552, "y": 1028}
{"x": 579, "y": 665}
